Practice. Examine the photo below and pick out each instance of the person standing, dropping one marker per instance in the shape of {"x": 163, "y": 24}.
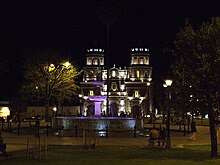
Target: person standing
{"x": 3, "y": 147}
{"x": 193, "y": 130}
{"x": 162, "y": 136}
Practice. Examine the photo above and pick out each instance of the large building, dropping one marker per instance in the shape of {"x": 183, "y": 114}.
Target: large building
{"x": 125, "y": 91}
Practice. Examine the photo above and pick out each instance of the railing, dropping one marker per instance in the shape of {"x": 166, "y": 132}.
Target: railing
{"x": 107, "y": 132}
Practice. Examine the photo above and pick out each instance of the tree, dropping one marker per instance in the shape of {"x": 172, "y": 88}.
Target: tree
{"x": 49, "y": 77}
{"x": 198, "y": 66}
{"x": 18, "y": 105}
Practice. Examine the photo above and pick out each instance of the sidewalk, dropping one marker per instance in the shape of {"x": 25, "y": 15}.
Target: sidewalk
{"x": 15, "y": 142}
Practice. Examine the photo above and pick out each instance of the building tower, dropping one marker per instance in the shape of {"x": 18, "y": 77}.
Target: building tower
{"x": 92, "y": 80}
{"x": 139, "y": 82}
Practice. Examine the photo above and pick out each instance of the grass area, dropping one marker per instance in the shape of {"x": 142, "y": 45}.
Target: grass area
{"x": 202, "y": 122}
{"x": 74, "y": 155}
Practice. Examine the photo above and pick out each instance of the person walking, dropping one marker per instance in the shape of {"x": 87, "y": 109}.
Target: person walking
{"x": 193, "y": 130}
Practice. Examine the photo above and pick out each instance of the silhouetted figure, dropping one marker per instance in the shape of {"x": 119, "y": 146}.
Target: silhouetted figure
{"x": 162, "y": 136}
{"x": 193, "y": 130}
{"x": 3, "y": 147}
{"x": 37, "y": 127}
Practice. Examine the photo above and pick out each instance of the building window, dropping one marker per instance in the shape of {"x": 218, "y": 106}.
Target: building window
{"x": 122, "y": 87}
{"x": 122, "y": 102}
{"x": 113, "y": 73}
{"x": 141, "y": 61}
{"x": 136, "y": 94}
{"x": 95, "y": 62}
{"x": 114, "y": 86}
{"x": 138, "y": 74}
{"x": 135, "y": 60}
{"x": 101, "y": 61}
{"x": 91, "y": 93}
{"x": 105, "y": 87}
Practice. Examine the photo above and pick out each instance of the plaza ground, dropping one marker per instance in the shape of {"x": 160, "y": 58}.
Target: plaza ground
{"x": 18, "y": 142}
{"x": 115, "y": 150}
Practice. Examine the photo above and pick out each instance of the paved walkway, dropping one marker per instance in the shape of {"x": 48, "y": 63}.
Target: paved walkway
{"x": 15, "y": 142}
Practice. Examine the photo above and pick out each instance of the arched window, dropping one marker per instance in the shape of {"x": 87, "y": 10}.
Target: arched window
{"x": 91, "y": 93}
{"x": 136, "y": 93}
{"x": 138, "y": 73}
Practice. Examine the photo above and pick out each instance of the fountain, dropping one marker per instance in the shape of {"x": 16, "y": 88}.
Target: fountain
{"x": 99, "y": 125}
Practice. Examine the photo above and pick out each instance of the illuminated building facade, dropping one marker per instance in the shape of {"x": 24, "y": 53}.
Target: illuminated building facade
{"x": 129, "y": 88}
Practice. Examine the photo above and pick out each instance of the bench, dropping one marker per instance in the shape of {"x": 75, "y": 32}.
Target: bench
{"x": 161, "y": 142}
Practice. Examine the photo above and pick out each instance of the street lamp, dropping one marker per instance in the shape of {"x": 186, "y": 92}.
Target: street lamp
{"x": 37, "y": 88}
{"x": 168, "y": 83}
{"x": 55, "y": 111}
{"x": 148, "y": 110}
{"x": 80, "y": 100}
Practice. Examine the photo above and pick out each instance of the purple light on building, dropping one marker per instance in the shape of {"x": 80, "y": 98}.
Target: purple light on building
{"x": 97, "y": 101}
{"x": 97, "y": 83}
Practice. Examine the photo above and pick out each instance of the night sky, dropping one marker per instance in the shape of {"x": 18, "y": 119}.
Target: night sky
{"x": 73, "y": 26}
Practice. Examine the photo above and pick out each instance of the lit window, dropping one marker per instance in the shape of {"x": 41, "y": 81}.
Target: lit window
{"x": 122, "y": 102}
{"x": 135, "y": 61}
{"x": 141, "y": 61}
{"x": 113, "y": 73}
{"x": 136, "y": 94}
{"x": 95, "y": 62}
{"x": 138, "y": 73}
{"x": 114, "y": 86}
{"x": 105, "y": 87}
{"x": 91, "y": 93}
{"x": 122, "y": 87}
{"x": 89, "y": 62}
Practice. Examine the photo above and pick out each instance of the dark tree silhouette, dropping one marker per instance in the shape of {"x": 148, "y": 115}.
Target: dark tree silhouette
{"x": 197, "y": 67}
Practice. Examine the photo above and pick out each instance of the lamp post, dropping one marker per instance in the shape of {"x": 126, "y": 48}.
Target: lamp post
{"x": 80, "y": 104}
{"x": 37, "y": 88}
{"x": 167, "y": 85}
{"x": 148, "y": 98}
{"x": 55, "y": 111}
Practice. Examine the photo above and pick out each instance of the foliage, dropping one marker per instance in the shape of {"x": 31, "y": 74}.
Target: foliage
{"x": 197, "y": 70}
{"x": 49, "y": 77}
{"x": 18, "y": 104}
{"x": 197, "y": 63}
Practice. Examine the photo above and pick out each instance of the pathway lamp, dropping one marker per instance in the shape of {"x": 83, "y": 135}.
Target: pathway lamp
{"x": 167, "y": 85}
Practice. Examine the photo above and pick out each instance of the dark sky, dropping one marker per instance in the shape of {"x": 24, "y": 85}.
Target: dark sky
{"x": 73, "y": 26}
